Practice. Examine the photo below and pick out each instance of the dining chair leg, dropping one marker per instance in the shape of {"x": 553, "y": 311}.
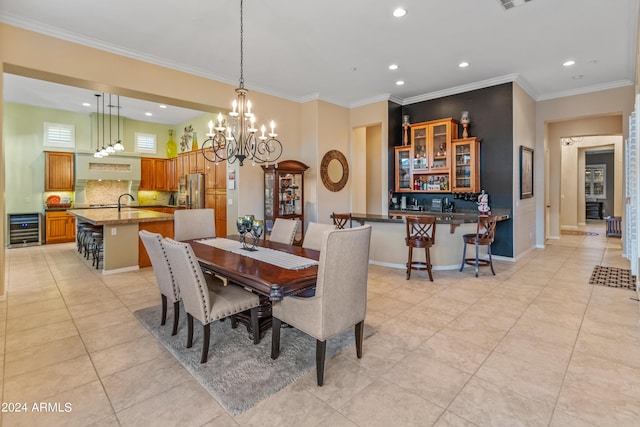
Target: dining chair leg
{"x": 464, "y": 255}
{"x": 275, "y": 337}
{"x": 491, "y": 260}
{"x": 176, "y": 317}
{"x": 164, "y": 309}
{"x": 321, "y": 350}
{"x": 428, "y": 259}
{"x": 477, "y": 247}
{"x": 189, "y": 330}
{"x": 409, "y": 262}
{"x": 206, "y": 330}
{"x": 255, "y": 326}
{"x": 359, "y": 338}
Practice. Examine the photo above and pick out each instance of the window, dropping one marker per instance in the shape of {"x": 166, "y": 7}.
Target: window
{"x": 595, "y": 181}
{"x": 59, "y": 135}
{"x": 145, "y": 143}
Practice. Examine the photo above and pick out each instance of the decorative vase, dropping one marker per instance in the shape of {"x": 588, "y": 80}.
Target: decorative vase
{"x": 194, "y": 141}
{"x": 172, "y": 148}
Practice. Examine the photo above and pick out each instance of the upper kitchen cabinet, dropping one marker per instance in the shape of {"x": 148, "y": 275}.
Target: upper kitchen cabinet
{"x": 466, "y": 167}
{"x": 431, "y": 143}
{"x": 172, "y": 174}
{"x": 153, "y": 174}
{"x": 58, "y": 171}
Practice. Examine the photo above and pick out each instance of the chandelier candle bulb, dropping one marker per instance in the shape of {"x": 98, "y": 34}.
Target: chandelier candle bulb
{"x": 234, "y": 104}
{"x": 248, "y": 113}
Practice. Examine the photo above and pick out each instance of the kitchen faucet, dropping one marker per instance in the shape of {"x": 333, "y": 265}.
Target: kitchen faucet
{"x": 125, "y": 194}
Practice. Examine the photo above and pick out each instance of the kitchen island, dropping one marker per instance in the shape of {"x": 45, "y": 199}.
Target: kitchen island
{"x": 388, "y": 234}
{"x": 122, "y": 248}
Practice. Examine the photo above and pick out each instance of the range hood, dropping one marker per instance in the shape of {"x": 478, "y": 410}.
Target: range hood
{"x": 112, "y": 168}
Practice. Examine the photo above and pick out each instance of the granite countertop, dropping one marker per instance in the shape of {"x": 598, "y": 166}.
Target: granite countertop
{"x": 111, "y": 216}
{"x": 470, "y": 217}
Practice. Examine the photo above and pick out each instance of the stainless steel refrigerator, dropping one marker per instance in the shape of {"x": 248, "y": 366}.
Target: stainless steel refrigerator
{"x": 193, "y": 191}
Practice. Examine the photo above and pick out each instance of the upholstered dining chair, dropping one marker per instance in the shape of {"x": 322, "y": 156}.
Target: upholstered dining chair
{"x": 342, "y": 220}
{"x": 421, "y": 234}
{"x": 340, "y": 300}
{"x": 194, "y": 224}
{"x": 284, "y": 230}
{"x": 313, "y": 236}
{"x": 169, "y": 290}
{"x": 484, "y": 236}
{"x": 205, "y": 299}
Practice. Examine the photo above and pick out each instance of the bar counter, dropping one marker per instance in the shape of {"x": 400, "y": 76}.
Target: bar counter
{"x": 388, "y": 246}
{"x": 111, "y": 216}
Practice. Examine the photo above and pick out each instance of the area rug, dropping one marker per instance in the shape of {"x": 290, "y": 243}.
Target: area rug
{"x": 613, "y": 277}
{"x": 238, "y": 373}
{"x": 578, "y": 233}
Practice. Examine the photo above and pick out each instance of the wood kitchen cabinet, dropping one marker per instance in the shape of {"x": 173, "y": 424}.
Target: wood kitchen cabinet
{"x": 196, "y": 161}
{"x": 172, "y": 174}
{"x": 466, "y": 165}
{"x": 216, "y": 192}
{"x": 425, "y": 165}
{"x": 153, "y": 175}
{"x": 60, "y": 227}
{"x": 58, "y": 171}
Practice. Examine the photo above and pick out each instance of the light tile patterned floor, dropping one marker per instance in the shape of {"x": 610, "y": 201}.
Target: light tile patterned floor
{"x": 534, "y": 345}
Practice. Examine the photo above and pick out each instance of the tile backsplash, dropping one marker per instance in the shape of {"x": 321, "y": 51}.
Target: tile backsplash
{"x": 106, "y": 192}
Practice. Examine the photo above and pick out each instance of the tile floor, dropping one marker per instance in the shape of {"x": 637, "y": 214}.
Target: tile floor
{"x": 534, "y": 345}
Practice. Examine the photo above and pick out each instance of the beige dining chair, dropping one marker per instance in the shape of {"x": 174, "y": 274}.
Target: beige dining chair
{"x": 284, "y": 230}
{"x": 194, "y": 224}
{"x": 313, "y": 236}
{"x": 340, "y": 300}
{"x": 165, "y": 279}
{"x": 204, "y": 297}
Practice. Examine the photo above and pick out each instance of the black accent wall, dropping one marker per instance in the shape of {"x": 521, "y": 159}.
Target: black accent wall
{"x": 491, "y": 115}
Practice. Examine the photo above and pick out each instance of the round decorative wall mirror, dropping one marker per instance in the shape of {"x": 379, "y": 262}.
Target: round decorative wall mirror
{"x": 334, "y": 170}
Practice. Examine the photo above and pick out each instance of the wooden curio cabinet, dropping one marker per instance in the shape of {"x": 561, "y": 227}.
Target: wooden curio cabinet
{"x": 284, "y": 195}
{"x": 466, "y": 167}
{"x": 58, "y": 171}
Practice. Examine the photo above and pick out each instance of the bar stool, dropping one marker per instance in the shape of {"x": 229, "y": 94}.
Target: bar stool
{"x": 341, "y": 220}
{"x": 484, "y": 236}
{"x": 421, "y": 233}
{"x": 97, "y": 248}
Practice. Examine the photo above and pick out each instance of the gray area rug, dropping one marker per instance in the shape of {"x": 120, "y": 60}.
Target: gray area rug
{"x": 238, "y": 373}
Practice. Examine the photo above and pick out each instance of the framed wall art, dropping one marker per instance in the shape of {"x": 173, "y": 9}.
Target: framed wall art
{"x": 526, "y": 172}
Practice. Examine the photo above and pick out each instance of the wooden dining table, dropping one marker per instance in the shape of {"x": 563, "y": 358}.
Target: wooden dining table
{"x": 268, "y": 281}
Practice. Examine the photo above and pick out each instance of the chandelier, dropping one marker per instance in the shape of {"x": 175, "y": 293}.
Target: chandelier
{"x": 103, "y": 151}
{"x": 234, "y": 138}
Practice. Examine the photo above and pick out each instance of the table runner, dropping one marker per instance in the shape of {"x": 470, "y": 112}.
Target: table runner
{"x": 268, "y": 255}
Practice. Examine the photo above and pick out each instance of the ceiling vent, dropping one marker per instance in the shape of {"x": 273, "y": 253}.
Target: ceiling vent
{"x": 510, "y": 4}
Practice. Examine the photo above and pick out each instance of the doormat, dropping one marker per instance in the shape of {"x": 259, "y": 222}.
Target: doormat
{"x": 613, "y": 277}
{"x": 578, "y": 233}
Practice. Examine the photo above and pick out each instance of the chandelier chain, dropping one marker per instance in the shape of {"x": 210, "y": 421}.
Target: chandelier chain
{"x": 241, "y": 45}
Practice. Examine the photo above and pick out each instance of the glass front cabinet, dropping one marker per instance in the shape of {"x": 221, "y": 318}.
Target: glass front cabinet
{"x": 425, "y": 165}
{"x": 466, "y": 167}
{"x": 284, "y": 195}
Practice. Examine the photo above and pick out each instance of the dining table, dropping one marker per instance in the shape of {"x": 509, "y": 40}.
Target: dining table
{"x": 272, "y": 271}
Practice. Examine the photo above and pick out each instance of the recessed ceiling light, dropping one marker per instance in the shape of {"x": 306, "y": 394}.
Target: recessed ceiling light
{"x": 148, "y": 114}
{"x": 86, "y": 104}
{"x": 463, "y": 64}
{"x": 399, "y": 12}
{"x": 400, "y": 82}
{"x": 569, "y": 63}
{"x": 162, "y": 106}
{"x": 393, "y": 67}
